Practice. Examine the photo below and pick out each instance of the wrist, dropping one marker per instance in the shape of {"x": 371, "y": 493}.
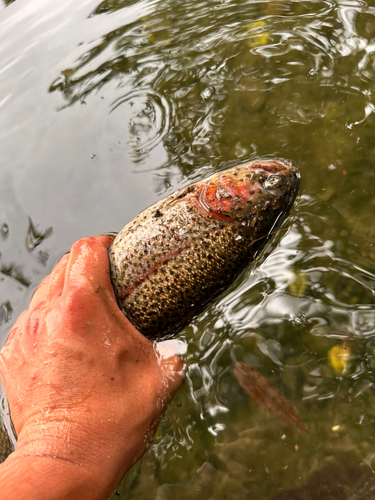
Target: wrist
{"x": 39, "y": 477}
{"x": 93, "y": 444}
{"x": 60, "y": 459}
{"x": 56, "y": 459}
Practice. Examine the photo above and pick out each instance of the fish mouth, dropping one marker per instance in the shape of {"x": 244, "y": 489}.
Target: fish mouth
{"x": 294, "y": 181}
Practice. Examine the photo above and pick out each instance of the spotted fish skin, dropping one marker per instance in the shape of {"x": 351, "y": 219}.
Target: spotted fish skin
{"x": 6, "y": 446}
{"x": 174, "y": 257}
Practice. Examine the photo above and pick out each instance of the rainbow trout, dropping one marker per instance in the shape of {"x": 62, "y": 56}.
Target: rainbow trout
{"x": 170, "y": 261}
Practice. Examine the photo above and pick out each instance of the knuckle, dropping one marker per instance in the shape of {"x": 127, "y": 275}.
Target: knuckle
{"x": 75, "y": 299}
{"x": 89, "y": 241}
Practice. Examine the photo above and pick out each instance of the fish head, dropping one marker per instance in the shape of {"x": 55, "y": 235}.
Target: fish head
{"x": 256, "y": 196}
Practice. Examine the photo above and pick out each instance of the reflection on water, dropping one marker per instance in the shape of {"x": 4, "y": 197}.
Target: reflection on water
{"x": 15, "y": 272}
{"x": 130, "y": 100}
{"x": 35, "y": 237}
{"x": 5, "y": 312}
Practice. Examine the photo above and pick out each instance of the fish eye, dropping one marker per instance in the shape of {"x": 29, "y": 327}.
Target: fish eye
{"x": 275, "y": 185}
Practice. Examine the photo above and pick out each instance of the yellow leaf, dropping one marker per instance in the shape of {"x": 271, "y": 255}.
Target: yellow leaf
{"x": 254, "y": 25}
{"x": 298, "y": 283}
{"x": 338, "y": 357}
{"x": 257, "y": 39}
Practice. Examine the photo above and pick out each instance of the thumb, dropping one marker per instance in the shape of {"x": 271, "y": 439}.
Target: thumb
{"x": 172, "y": 371}
{"x": 172, "y": 375}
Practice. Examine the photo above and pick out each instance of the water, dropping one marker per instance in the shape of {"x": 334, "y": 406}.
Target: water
{"x": 106, "y": 108}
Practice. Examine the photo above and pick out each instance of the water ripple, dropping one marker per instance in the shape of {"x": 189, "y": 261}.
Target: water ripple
{"x": 145, "y": 115}
{"x": 244, "y": 59}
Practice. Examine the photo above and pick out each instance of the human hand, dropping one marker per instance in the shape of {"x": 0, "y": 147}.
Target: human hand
{"x": 83, "y": 385}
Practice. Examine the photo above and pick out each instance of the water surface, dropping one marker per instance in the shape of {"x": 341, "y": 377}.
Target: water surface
{"x": 106, "y": 108}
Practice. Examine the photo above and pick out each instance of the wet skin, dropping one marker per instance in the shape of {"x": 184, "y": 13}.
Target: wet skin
{"x": 84, "y": 387}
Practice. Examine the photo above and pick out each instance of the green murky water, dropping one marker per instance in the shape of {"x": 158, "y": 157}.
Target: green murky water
{"x": 107, "y": 107}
